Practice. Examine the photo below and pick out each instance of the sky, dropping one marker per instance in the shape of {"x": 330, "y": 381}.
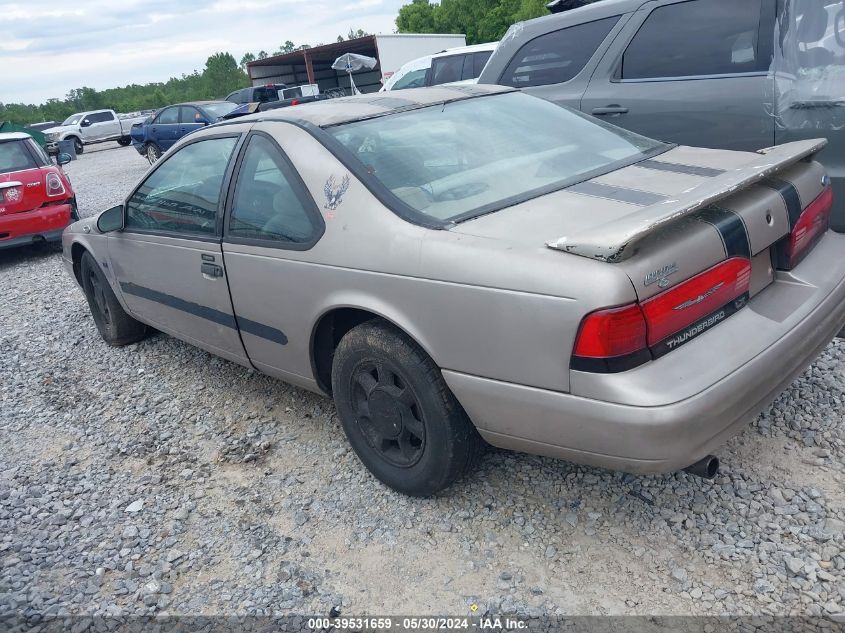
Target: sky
{"x": 49, "y": 47}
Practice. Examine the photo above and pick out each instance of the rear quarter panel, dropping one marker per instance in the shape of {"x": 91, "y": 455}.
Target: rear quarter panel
{"x": 475, "y": 305}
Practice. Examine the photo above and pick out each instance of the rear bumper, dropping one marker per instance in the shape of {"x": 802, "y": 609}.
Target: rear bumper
{"x": 45, "y": 223}
{"x": 666, "y": 437}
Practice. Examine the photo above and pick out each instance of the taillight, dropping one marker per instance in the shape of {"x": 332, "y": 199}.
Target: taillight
{"x": 687, "y": 303}
{"x": 808, "y": 230}
{"x": 618, "y": 339}
{"x": 611, "y": 340}
{"x": 55, "y": 186}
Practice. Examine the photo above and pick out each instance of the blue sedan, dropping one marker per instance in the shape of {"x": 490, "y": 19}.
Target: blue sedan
{"x": 157, "y": 134}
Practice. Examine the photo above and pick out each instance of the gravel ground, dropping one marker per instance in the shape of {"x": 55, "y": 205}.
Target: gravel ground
{"x": 158, "y": 478}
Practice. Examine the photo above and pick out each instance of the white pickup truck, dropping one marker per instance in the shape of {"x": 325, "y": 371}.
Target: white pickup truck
{"x": 86, "y": 128}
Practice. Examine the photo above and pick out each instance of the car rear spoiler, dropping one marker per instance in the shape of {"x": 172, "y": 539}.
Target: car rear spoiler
{"x": 617, "y": 241}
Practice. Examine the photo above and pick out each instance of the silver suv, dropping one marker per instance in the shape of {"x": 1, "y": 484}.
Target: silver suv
{"x": 709, "y": 73}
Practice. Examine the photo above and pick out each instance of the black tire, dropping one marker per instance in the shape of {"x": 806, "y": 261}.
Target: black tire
{"x": 115, "y": 326}
{"x": 77, "y": 145}
{"x": 152, "y": 152}
{"x": 124, "y": 141}
{"x": 398, "y": 414}
{"x": 74, "y": 210}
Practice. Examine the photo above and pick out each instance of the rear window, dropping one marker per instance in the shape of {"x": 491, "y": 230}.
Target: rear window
{"x": 14, "y": 156}
{"x": 558, "y": 56}
{"x": 457, "y": 160}
{"x": 219, "y": 109}
{"x": 265, "y": 94}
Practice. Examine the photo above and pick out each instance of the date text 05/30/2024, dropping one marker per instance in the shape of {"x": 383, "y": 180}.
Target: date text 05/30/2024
{"x": 415, "y": 623}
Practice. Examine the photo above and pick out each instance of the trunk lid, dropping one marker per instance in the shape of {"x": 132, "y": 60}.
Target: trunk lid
{"x": 666, "y": 219}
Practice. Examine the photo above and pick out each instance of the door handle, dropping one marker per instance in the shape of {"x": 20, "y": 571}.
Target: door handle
{"x": 611, "y": 109}
{"x": 211, "y": 271}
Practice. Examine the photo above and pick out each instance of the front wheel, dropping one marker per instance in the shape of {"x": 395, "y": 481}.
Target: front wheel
{"x": 153, "y": 152}
{"x": 115, "y": 326}
{"x": 124, "y": 141}
{"x": 399, "y": 415}
{"x": 78, "y": 146}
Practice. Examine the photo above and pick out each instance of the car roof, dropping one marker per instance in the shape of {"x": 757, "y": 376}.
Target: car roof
{"x": 586, "y": 13}
{"x": 473, "y": 48}
{"x": 13, "y": 136}
{"x": 347, "y": 109}
{"x": 199, "y": 103}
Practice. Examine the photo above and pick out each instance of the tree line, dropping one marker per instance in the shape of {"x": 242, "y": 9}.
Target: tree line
{"x": 480, "y": 20}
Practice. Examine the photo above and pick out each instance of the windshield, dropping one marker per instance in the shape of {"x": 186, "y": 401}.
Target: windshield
{"x": 456, "y": 160}
{"x": 73, "y": 119}
{"x": 219, "y": 109}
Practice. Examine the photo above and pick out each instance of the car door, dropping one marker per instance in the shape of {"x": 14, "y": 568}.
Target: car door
{"x": 164, "y": 130}
{"x": 694, "y": 72}
{"x": 88, "y": 128}
{"x": 107, "y": 125}
{"x": 99, "y": 126}
{"x": 810, "y": 85}
{"x": 190, "y": 120}
{"x": 446, "y": 69}
{"x": 167, "y": 261}
{"x": 271, "y": 216}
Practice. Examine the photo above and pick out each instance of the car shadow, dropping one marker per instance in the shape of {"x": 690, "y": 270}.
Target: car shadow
{"x": 10, "y": 257}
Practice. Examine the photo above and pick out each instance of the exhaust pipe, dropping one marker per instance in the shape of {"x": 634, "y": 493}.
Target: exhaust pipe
{"x": 707, "y": 467}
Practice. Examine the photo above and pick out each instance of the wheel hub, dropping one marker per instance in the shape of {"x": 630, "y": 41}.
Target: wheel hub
{"x": 388, "y": 414}
{"x": 385, "y": 413}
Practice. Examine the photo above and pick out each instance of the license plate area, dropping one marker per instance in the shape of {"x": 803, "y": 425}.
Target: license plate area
{"x": 762, "y": 271}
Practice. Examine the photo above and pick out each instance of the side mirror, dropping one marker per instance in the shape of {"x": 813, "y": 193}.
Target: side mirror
{"x": 85, "y": 123}
{"x": 63, "y": 158}
{"x": 111, "y": 220}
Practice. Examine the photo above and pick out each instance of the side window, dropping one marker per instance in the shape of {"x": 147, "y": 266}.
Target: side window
{"x": 266, "y": 204}
{"x": 479, "y": 60}
{"x": 696, "y": 38}
{"x": 168, "y": 116}
{"x": 467, "y": 72}
{"x": 445, "y": 70}
{"x": 557, "y": 56}
{"x": 182, "y": 194}
{"x": 413, "y": 79}
{"x": 189, "y": 114}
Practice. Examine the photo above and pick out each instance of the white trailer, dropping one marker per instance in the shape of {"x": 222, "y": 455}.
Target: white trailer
{"x": 313, "y": 65}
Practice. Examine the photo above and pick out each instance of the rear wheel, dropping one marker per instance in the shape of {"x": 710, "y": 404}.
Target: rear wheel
{"x": 115, "y": 326}
{"x": 399, "y": 415}
{"x": 152, "y": 152}
{"x": 123, "y": 141}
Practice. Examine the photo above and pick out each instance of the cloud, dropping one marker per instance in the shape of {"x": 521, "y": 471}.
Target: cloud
{"x": 49, "y": 50}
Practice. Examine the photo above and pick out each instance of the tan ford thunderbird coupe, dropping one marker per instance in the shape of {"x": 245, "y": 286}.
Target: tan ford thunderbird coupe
{"x": 470, "y": 263}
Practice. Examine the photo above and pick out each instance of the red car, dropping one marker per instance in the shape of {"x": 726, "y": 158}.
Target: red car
{"x": 36, "y": 199}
